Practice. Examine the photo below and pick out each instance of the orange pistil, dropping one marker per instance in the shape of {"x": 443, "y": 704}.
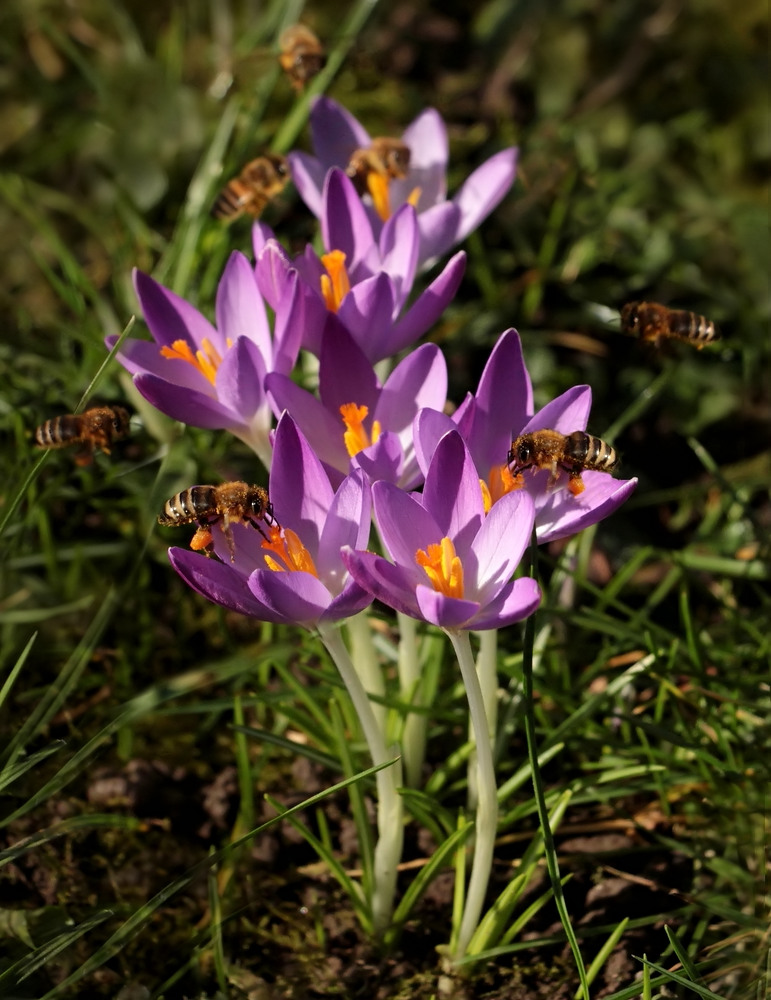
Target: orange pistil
{"x": 499, "y": 483}
{"x": 443, "y": 568}
{"x": 291, "y": 551}
{"x": 356, "y": 437}
{"x": 207, "y": 360}
{"x": 335, "y": 284}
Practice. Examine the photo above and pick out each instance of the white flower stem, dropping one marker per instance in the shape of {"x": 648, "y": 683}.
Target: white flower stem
{"x": 414, "y": 735}
{"x": 486, "y": 823}
{"x": 366, "y": 664}
{"x": 390, "y": 823}
{"x": 487, "y": 672}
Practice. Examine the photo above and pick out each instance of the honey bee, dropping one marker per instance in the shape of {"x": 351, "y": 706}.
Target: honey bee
{"x": 210, "y": 505}
{"x": 651, "y": 321}
{"x": 259, "y": 181}
{"x": 388, "y": 157}
{"x": 575, "y": 453}
{"x": 92, "y": 429}
{"x": 302, "y": 56}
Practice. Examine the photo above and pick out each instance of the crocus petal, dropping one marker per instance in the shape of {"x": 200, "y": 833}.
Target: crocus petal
{"x": 563, "y": 514}
{"x": 429, "y": 306}
{"x": 186, "y": 405}
{"x": 291, "y": 597}
{"x": 367, "y": 312}
{"x": 350, "y": 601}
{"x": 517, "y": 600}
{"x": 218, "y": 582}
{"x": 404, "y": 524}
{"x": 261, "y": 234}
{"x": 272, "y": 271}
{"x": 429, "y": 428}
{"x": 503, "y": 401}
{"x": 393, "y": 585}
{"x": 419, "y": 380}
{"x": 344, "y": 223}
{"x": 170, "y": 317}
{"x": 446, "y": 612}
{"x": 382, "y": 460}
{"x": 291, "y": 325}
{"x": 239, "y": 309}
{"x": 399, "y": 245}
{"x": 502, "y": 539}
{"x": 140, "y": 357}
{"x": 438, "y": 226}
{"x": 308, "y": 175}
{"x": 322, "y": 429}
{"x": 484, "y": 189}
{"x": 345, "y": 373}
{"x": 452, "y": 492}
{"x": 347, "y": 523}
{"x": 299, "y": 488}
{"x": 240, "y": 380}
{"x": 426, "y": 138}
{"x": 567, "y": 413}
{"x": 335, "y": 132}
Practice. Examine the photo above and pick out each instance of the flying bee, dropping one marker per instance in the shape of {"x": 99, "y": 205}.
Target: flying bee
{"x": 259, "y": 181}
{"x": 575, "y": 453}
{"x": 652, "y": 322}
{"x": 223, "y": 505}
{"x": 302, "y": 56}
{"x": 92, "y": 429}
{"x": 388, "y": 157}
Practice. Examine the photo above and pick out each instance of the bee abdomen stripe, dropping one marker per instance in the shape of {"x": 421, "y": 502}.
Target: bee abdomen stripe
{"x": 56, "y": 432}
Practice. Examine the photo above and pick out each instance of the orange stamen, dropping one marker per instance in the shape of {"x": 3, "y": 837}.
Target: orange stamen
{"x": 335, "y": 284}
{"x": 291, "y": 551}
{"x": 443, "y": 568}
{"x": 356, "y": 437}
{"x": 207, "y": 360}
{"x": 414, "y": 197}
{"x": 500, "y": 482}
{"x": 377, "y": 185}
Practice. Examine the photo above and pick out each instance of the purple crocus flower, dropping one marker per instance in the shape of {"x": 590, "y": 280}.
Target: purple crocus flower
{"x": 365, "y": 279}
{"x": 337, "y": 134}
{"x": 209, "y": 376}
{"x": 451, "y": 565}
{"x": 297, "y": 577}
{"x": 500, "y": 411}
{"x": 357, "y": 422}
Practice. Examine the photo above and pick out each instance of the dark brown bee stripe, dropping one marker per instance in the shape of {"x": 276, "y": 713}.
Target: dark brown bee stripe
{"x": 188, "y": 505}
{"x": 227, "y": 205}
{"x": 590, "y": 452}
{"x": 691, "y": 326}
{"x": 58, "y": 431}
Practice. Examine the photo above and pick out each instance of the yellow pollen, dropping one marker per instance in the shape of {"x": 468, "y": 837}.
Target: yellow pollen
{"x": 356, "y": 437}
{"x": 335, "y": 284}
{"x": 377, "y": 184}
{"x": 414, "y": 197}
{"x": 291, "y": 551}
{"x": 501, "y": 482}
{"x": 443, "y": 568}
{"x": 207, "y": 360}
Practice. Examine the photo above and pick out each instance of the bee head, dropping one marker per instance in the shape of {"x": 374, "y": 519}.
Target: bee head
{"x": 521, "y": 453}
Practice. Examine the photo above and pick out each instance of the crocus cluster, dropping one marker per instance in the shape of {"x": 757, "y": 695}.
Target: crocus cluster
{"x": 368, "y": 442}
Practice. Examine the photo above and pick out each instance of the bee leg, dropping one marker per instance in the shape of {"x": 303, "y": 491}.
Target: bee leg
{"x": 555, "y": 471}
{"x": 576, "y": 483}
{"x": 258, "y": 526}
{"x": 202, "y": 540}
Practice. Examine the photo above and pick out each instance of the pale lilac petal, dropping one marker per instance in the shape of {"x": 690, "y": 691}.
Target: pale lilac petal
{"x": 503, "y": 402}
{"x": 291, "y": 325}
{"x": 446, "y": 612}
{"x": 344, "y": 223}
{"x": 501, "y": 542}
{"x": 517, "y": 600}
{"x": 170, "y": 317}
{"x": 567, "y": 413}
{"x": 350, "y": 601}
{"x": 261, "y": 234}
{"x": 322, "y": 429}
{"x": 430, "y": 427}
{"x": 272, "y": 271}
{"x": 291, "y": 597}
{"x": 419, "y": 380}
{"x": 218, "y": 582}
{"x": 426, "y": 138}
{"x": 347, "y": 523}
{"x": 430, "y": 305}
{"x": 438, "y": 226}
{"x": 239, "y": 309}
{"x": 299, "y": 488}
{"x": 391, "y": 584}
{"x": 345, "y": 374}
{"x": 563, "y": 514}
{"x": 382, "y": 460}
{"x": 452, "y": 492}
{"x": 367, "y": 312}
{"x": 335, "y": 132}
{"x": 240, "y": 380}
{"x": 308, "y": 175}
{"x": 484, "y": 189}
{"x": 399, "y": 246}
{"x": 185, "y": 404}
{"x": 403, "y": 523}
